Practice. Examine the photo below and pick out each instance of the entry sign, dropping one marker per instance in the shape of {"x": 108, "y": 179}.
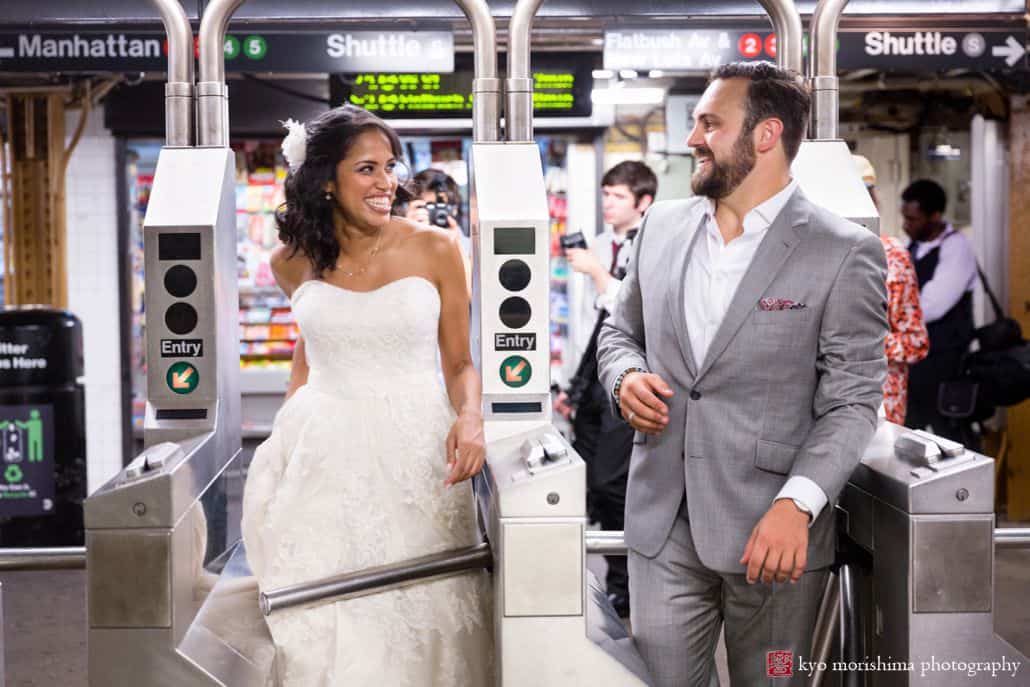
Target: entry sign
{"x": 182, "y": 348}
{"x": 702, "y": 50}
{"x": 182, "y": 378}
{"x": 515, "y": 342}
{"x": 516, "y": 371}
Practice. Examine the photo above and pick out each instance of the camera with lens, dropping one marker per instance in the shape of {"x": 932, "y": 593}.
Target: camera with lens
{"x": 440, "y": 211}
{"x": 576, "y": 240}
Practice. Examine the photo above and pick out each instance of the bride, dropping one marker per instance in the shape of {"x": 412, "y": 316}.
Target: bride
{"x": 369, "y": 459}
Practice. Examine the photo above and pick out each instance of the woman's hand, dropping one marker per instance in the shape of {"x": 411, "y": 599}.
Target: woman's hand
{"x": 466, "y": 448}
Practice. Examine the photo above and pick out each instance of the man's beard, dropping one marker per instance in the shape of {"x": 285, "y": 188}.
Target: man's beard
{"x": 723, "y": 178}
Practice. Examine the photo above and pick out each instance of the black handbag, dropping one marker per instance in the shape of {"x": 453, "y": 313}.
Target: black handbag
{"x": 998, "y": 374}
{"x": 1003, "y": 377}
{"x": 1004, "y": 332}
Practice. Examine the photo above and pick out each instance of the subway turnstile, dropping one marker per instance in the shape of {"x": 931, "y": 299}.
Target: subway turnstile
{"x": 157, "y": 532}
{"x": 553, "y": 624}
{"x": 917, "y": 529}
{"x": 154, "y": 531}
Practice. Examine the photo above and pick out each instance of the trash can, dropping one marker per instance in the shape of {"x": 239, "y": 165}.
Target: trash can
{"x": 42, "y": 428}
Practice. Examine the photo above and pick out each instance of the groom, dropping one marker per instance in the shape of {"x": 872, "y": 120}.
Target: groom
{"x": 747, "y": 349}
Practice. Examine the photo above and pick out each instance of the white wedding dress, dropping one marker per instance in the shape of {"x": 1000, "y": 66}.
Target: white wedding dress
{"x": 352, "y": 477}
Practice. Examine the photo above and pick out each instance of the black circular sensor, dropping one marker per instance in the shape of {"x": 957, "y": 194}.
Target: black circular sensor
{"x": 515, "y": 275}
{"x": 515, "y": 312}
{"x": 180, "y": 281}
{"x": 181, "y": 318}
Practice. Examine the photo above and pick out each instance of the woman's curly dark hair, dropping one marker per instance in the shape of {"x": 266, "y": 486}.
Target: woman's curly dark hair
{"x": 305, "y": 220}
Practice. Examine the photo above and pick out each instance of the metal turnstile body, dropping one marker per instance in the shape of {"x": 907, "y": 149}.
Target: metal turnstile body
{"x": 511, "y": 321}
{"x": 553, "y": 626}
{"x": 155, "y": 532}
{"x": 926, "y": 600}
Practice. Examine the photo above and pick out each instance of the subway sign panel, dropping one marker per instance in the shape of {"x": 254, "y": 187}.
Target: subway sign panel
{"x": 705, "y": 49}
{"x": 336, "y": 51}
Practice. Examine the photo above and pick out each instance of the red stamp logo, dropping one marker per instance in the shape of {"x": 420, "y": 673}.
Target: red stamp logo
{"x": 779, "y": 664}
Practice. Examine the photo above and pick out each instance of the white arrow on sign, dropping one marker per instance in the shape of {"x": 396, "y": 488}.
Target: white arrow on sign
{"x": 1012, "y": 51}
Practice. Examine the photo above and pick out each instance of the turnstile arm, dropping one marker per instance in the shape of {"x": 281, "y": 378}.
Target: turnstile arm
{"x": 379, "y": 579}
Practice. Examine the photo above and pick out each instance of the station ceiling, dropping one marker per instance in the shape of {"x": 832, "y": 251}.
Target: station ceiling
{"x": 32, "y": 13}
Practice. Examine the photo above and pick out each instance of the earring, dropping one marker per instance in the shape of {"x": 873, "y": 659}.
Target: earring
{"x": 328, "y": 196}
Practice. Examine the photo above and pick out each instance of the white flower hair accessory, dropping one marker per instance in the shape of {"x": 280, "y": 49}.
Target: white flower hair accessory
{"x": 295, "y": 144}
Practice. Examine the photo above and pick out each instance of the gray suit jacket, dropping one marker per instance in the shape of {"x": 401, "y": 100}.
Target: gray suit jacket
{"x": 780, "y": 392}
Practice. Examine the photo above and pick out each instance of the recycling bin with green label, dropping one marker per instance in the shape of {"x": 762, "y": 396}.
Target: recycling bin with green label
{"x": 42, "y": 428}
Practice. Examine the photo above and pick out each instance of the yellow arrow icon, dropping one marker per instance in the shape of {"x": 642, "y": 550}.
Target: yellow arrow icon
{"x": 514, "y": 374}
{"x": 182, "y": 380}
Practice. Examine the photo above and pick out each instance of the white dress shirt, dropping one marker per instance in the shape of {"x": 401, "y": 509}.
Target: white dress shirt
{"x": 603, "y": 248}
{"x": 589, "y": 302}
{"x": 955, "y": 273}
{"x": 713, "y": 274}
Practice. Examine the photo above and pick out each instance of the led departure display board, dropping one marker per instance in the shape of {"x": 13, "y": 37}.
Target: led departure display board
{"x": 561, "y": 88}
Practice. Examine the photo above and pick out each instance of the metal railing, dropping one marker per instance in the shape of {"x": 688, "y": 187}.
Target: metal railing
{"x": 60, "y": 558}
{"x": 608, "y": 543}
{"x": 613, "y": 543}
{"x": 1012, "y": 537}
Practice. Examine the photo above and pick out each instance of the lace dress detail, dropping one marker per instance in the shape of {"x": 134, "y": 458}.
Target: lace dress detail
{"x": 352, "y": 477}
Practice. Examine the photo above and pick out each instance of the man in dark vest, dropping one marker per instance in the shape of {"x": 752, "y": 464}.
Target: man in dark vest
{"x": 946, "y": 269}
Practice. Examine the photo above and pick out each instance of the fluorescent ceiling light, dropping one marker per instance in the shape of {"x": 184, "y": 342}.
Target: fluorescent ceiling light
{"x": 603, "y": 73}
{"x": 627, "y": 96}
{"x": 628, "y": 73}
{"x": 655, "y": 74}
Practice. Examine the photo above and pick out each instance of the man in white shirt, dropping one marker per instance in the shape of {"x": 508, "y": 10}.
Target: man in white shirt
{"x": 946, "y": 269}
{"x": 627, "y": 191}
{"x": 746, "y": 348}
{"x": 602, "y": 438}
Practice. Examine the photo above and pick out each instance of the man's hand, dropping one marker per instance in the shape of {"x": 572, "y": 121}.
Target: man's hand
{"x": 583, "y": 260}
{"x": 778, "y": 547}
{"x": 639, "y": 402}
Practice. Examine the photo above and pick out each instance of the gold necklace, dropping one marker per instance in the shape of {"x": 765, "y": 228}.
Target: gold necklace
{"x": 361, "y": 270}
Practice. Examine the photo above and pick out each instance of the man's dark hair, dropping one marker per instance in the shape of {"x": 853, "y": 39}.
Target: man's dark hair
{"x": 927, "y": 194}
{"x": 636, "y": 176}
{"x": 772, "y": 92}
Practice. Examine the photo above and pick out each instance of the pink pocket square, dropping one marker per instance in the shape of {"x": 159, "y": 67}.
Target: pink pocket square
{"x": 780, "y": 304}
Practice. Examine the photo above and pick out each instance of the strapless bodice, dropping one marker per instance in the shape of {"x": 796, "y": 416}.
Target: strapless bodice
{"x": 358, "y": 341}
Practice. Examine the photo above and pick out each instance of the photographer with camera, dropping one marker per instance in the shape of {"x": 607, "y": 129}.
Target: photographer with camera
{"x": 436, "y": 201}
{"x": 602, "y": 438}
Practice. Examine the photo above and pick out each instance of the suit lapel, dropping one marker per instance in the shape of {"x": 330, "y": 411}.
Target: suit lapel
{"x": 677, "y": 285}
{"x": 779, "y": 242}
